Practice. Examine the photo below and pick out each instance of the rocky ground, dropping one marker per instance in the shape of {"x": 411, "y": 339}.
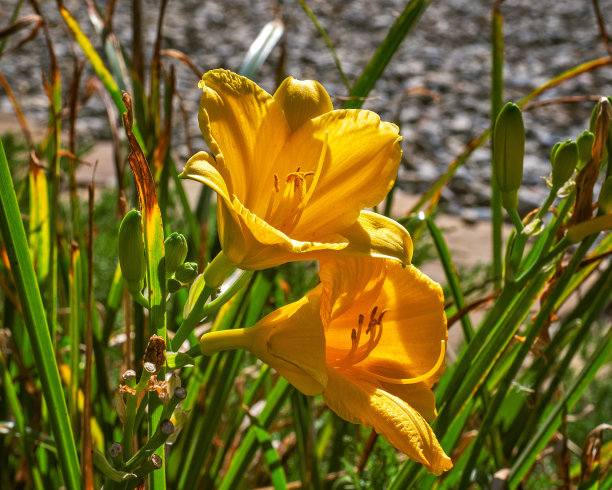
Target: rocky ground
{"x": 436, "y": 87}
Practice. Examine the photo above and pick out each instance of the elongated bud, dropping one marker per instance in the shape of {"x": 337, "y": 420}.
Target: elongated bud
{"x": 175, "y": 247}
{"x": 302, "y": 100}
{"x": 585, "y": 146}
{"x": 131, "y": 248}
{"x": 553, "y": 151}
{"x": 564, "y": 163}
{"x": 605, "y": 196}
{"x": 187, "y": 272}
{"x": 508, "y": 153}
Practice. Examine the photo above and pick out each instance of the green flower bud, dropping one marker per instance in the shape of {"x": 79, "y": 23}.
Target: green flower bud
{"x": 131, "y": 248}
{"x": 553, "y": 151}
{"x": 173, "y": 285}
{"x": 605, "y": 196}
{"x": 564, "y": 163}
{"x": 508, "y": 153}
{"x": 585, "y": 146}
{"x": 175, "y": 247}
{"x": 186, "y": 272}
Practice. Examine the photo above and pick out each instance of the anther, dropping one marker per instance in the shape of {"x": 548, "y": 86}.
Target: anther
{"x": 276, "y": 184}
{"x": 373, "y": 314}
{"x": 380, "y": 317}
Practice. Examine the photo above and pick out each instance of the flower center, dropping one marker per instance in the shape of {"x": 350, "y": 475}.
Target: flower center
{"x": 359, "y": 351}
{"x": 285, "y": 209}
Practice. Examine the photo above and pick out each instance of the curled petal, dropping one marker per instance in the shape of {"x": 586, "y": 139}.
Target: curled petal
{"x": 374, "y": 235}
{"x": 360, "y": 401}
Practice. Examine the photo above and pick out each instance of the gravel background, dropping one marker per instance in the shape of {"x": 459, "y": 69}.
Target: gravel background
{"x": 436, "y": 86}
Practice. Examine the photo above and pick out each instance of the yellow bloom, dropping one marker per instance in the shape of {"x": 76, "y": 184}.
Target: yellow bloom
{"x": 293, "y": 176}
{"x": 371, "y": 338}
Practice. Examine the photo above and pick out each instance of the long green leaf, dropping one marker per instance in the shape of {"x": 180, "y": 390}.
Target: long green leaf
{"x": 451, "y": 276}
{"x": 497, "y": 99}
{"x": 574, "y": 391}
{"x": 14, "y": 237}
{"x": 245, "y": 453}
{"x": 372, "y": 72}
{"x": 328, "y": 42}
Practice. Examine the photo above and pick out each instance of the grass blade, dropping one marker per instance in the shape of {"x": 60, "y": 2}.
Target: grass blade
{"x": 328, "y": 43}
{"x": 372, "y": 72}
{"x": 497, "y": 100}
{"x": 98, "y": 65}
{"x": 13, "y": 235}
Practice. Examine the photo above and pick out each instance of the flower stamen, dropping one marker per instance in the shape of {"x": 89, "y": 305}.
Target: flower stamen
{"x": 358, "y": 353}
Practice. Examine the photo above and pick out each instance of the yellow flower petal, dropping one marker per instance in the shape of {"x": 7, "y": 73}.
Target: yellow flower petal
{"x": 360, "y": 401}
{"x": 362, "y": 156}
{"x": 418, "y": 396}
{"x": 374, "y": 235}
{"x": 413, "y": 330}
{"x": 302, "y": 100}
{"x": 244, "y": 128}
{"x": 203, "y": 168}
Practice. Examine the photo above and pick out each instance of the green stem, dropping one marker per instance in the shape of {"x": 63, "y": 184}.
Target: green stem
{"x": 195, "y": 315}
{"x": 516, "y": 220}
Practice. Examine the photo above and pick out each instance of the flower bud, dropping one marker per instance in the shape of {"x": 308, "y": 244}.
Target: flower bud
{"x": 131, "y": 249}
{"x": 585, "y": 146}
{"x": 564, "y": 163}
{"x": 187, "y": 272}
{"x": 173, "y": 285}
{"x": 554, "y": 150}
{"x": 605, "y": 196}
{"x": 302, "y": 100}
{"x": 175, "y": 247}
{"x": 508, "y": 153}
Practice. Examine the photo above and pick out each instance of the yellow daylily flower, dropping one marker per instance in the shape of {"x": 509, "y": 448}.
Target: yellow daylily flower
{"x": 372, "y": 339}
{"x": 293, "y": 175}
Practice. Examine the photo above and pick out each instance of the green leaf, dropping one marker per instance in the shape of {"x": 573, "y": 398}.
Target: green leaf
{"x": 387, "y": 48}
{"x": 14, "y": 237}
